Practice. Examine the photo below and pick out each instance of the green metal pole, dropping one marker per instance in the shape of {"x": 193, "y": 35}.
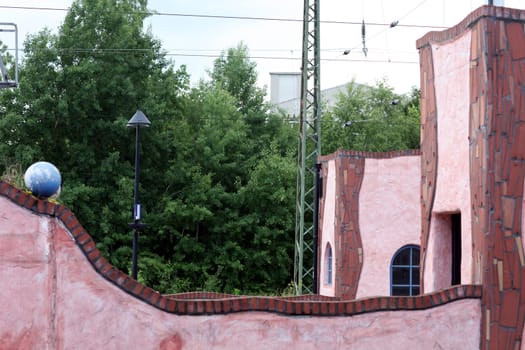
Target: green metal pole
{"x": 309, "y": 149}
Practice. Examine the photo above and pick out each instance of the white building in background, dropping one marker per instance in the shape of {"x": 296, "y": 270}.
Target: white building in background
{"x": 285, "y": 92}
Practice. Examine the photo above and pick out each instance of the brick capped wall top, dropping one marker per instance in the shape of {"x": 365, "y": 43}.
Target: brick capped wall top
{"x": 205, "y": 303}
{"x": 364, "y": 154}
{"x": 494, "y": 63}
{"x": 344, "y": 228}
{"x": 485, "y": 11}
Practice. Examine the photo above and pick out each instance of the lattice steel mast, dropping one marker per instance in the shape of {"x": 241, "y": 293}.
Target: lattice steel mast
{"x": 309, "y": 150}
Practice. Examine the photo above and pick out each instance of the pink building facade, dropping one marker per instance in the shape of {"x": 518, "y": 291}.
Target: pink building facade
{"x": 471, "y": 177}
{"x": 488, "y": 49}
{"x": 58, "y": 292}
{"x": 370, "y": 210}
{"x": 458, "y": 202}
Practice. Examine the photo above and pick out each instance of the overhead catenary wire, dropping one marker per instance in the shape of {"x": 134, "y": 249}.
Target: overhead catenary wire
{"x": 253, "y": 18}
{"x": 386, "y": 32}
{"x": 228, "y": 17}
{"x": 395, "y": 23}
{"x": 412, "y": 60}
{"x": 210, "y": 52}
{"x": 411, "y": 10}
{"x": 98, "y": 51}
{"x": 288, "y": 118}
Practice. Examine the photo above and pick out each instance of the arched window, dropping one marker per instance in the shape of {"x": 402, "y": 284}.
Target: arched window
{"x": 404, "y": 271}
{"x": 328, "y": 264}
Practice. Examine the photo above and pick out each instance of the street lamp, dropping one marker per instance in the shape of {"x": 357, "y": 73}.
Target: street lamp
{"x": 138, "y": 121}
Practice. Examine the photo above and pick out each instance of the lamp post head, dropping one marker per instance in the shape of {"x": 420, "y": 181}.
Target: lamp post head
{"x": 139, "y": 120}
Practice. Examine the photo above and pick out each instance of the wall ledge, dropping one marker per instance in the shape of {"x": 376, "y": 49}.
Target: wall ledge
{"x": 206, "y": 303}
{"x": 364, "y": 154}
{"x": 485, "y": 11}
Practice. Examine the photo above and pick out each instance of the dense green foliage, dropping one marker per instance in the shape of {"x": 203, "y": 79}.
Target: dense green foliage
{"x": 218, "y": 167}
{"x": 372, "y": 119}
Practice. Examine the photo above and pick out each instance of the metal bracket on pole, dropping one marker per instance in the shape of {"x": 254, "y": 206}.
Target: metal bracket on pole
{"x": 5, "y": 82}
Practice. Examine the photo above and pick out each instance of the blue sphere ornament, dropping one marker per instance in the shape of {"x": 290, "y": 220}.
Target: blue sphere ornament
{"x": 43, "y": 179}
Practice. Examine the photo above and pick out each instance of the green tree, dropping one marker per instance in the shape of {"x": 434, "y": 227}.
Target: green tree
{"x": 77, "y": 90}
{"x": 235, "y": 73}
{"x": 243, "y": 142}
{"x": 372, "y": 119}
{"x": 217, "y": 168}
{"x": 269, "y": 198}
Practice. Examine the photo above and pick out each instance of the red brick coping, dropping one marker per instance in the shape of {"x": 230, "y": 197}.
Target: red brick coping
{"x": 364, "y": 154}
{"x": 481, "y": 12}
{"x": 205, "y": 303}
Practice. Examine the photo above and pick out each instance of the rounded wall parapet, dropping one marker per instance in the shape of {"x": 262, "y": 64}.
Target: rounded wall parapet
{"x": 206, "y": 303}
{"x": 495, "y": 12}
{"x": 365, "y": 154}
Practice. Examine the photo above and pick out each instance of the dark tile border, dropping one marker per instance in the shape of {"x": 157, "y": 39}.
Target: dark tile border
{"x": 206, "y": 303}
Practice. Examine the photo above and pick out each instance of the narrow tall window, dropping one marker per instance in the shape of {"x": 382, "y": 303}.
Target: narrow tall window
{"x": 328, "y": 265}
{"x": 404, "y": 271}
{"x": 456, "y": 248}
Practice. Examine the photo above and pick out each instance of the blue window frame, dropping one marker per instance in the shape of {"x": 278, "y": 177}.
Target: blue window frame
{"x": 328, "y": 262}
{"x": 404, "y": 271}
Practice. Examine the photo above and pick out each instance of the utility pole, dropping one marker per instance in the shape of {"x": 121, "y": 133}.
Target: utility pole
{"x": 308, "y": 151}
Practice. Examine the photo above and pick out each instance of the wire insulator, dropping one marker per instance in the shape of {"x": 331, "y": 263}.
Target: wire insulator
{"x": 363, "y": 36}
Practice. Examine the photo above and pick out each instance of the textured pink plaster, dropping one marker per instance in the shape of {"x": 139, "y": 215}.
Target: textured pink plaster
{"x": 25, "y": 272}
{"x": 451, "y": 69}
{"x": 58, "y": 301}
{"x": 439, "y": 262}
{"x": 328, "y": 230}
{"x": 103, "y": 316}
{"x": 389, "y": 217}
{"x": 93, "y": 311}
{"x": 16, "y": 220}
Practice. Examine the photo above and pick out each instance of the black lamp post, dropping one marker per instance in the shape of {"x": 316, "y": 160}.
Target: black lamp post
{"x": 138, "y": 121}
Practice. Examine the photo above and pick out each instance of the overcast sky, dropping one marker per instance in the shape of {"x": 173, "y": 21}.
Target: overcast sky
{"x": 275, "y": 45}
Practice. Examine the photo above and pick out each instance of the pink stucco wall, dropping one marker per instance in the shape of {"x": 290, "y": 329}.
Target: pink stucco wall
{"x": 389, "y": 217}
{"x": 451, "y": 69}
{"x": 328, "y": 230}
{"x": 53, "y": 298}
{"x": 26, "y": 268}
{"x": 439, "y": 266}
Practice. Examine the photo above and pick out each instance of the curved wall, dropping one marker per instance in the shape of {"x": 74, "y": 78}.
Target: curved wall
{"x": 452, "y": 72}
{"x": 328, "y": 226}
{"x": 488, "y": 49}
{"x": 59, "y": 293}
{"x": 389, "y": 217}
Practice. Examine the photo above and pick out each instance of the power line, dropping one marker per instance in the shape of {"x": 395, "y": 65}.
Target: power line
{"x": 412, "y": 10}
{"x": 252, "y": 18}
{"x": 202, "y": 55}
{"x": 286, "y": 118}
{"x": 298, "y": 58}
{"x": 217, "y": 52}
{"x": 391, "y": 25}
{"x": 243, "y": 18}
